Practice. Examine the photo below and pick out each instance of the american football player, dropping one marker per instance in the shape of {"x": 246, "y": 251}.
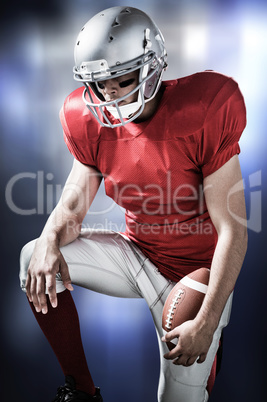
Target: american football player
{"x": 168, "y": 154}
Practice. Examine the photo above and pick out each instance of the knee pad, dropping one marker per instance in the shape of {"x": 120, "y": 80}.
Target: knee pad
{"x": 25, "y": 257}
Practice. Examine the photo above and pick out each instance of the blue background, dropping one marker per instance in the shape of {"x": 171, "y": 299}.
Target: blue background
{"x": 37, "y": 40}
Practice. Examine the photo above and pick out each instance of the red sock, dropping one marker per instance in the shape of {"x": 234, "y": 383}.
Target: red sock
{"x": 212, "y": 376}
{"x": 62, "y": 329}
{"x": 216, "y": 366}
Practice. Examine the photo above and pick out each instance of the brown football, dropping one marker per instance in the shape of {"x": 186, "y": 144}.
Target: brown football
{"x": 184, "y": 301}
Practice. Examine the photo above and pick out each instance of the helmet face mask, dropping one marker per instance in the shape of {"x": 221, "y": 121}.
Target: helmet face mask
{"x": 102, "y": 57}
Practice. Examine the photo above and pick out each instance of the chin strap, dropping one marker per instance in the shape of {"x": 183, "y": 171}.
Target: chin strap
{"x": 126, "y": 111}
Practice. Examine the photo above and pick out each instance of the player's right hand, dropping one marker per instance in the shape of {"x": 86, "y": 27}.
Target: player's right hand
{"x": 45, "y": 263}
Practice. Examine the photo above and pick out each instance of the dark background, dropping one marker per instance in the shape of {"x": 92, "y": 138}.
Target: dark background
{"x": 37, "y": 40}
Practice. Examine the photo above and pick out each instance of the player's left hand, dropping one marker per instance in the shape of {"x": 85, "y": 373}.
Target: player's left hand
{"x": 193, "y": 344}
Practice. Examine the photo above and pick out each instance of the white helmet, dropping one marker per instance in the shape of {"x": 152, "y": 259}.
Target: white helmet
{"x": 115, "y": 42}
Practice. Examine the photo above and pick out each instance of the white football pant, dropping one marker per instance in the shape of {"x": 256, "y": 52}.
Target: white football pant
{"x": 109, "y": 263}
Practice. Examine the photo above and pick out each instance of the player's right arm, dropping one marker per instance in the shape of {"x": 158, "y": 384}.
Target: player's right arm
{"x": 62, "y": 227}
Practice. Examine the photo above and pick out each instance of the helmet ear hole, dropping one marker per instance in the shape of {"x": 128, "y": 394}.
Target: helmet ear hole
{"x": 150, "y": 85}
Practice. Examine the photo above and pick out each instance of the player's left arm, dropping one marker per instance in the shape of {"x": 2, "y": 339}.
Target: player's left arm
{"x": 224, "y": 205}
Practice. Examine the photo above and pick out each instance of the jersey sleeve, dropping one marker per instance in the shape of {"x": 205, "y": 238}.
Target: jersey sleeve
{"x": 224, "y": 123}
{"x": 78, "y": 129}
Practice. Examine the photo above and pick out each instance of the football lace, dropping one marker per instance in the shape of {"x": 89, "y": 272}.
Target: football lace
{"x": 175, "y": 301}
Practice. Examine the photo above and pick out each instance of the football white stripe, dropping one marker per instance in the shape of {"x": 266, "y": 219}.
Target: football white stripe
{"x": 191, "y": 283}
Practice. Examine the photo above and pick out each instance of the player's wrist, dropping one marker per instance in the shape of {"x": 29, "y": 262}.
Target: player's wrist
{"x": 207, "y": 320}
{"x": 50, "y": 238}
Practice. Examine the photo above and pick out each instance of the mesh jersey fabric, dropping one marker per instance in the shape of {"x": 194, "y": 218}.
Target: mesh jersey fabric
{"x": 155, "y": 169}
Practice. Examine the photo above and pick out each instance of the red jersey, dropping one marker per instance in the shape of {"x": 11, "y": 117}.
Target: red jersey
{"x": 155, "y": 169}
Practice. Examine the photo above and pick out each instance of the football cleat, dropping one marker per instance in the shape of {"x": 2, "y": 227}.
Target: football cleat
{"x": 69, "y": 393}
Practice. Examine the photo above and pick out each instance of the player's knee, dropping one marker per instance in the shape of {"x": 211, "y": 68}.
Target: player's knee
{"x": 25, "y": 257}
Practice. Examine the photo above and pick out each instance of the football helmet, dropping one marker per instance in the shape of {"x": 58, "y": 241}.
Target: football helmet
{"x": 113, "y": 43}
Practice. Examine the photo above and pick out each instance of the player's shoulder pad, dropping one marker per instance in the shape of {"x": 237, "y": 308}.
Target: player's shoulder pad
{"x": 225, "y": 88}
{"x": 199, "y": 90}
{"x": 214, "y": 88}
{"x": 218, "y": 91}
{"x": 75, "y": 117}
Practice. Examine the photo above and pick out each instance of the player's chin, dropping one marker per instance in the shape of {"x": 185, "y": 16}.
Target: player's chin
{"x": 125, "y": 102}
{"x": 122, "y": 103}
